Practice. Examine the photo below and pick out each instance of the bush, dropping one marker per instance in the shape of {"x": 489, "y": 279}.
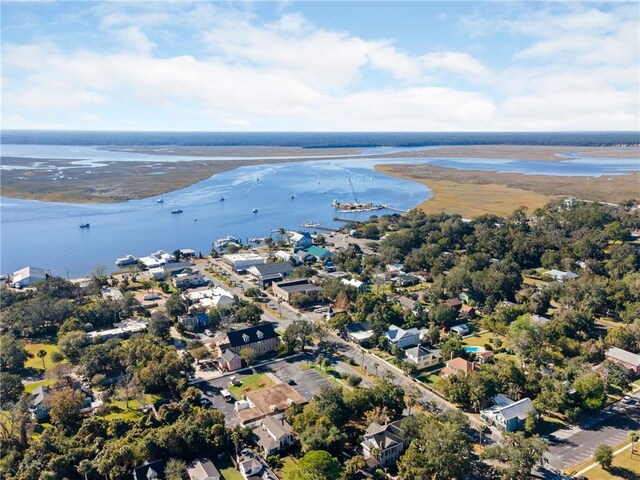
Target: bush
{"x": 56, "y": 357}
{"x": 353, "y": 380}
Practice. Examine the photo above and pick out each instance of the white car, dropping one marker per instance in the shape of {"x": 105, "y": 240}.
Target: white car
{"x": 208, "y": 333}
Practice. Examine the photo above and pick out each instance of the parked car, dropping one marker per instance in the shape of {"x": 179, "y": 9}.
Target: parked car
{"x": 151, "y": 296}
{"x": 208, "y": 333}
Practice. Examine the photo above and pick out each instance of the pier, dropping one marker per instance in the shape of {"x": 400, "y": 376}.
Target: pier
{"x": 317, "y": 226}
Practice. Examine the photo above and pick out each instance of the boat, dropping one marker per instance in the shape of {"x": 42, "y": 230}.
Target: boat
{"x": 84, "y": 225}
{"x": 127, "y": 260}
{"x": 223, "y": 242}
{"x": 160, "y": 200}
{"x": 195, "y": 219}
{"x": 355, "y": 206}
{"x": 292, "y": 197}
{"x": 222, "y": 199}
{"x": 179, "y": 210}
{"x": 255, "y": 210}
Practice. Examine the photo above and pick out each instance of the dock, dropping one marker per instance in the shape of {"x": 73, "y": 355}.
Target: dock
{"x": 317, "y": 226}
{"x": 346, "y": 220}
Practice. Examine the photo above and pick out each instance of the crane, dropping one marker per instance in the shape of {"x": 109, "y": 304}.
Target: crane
{"x": 353, "y": 190}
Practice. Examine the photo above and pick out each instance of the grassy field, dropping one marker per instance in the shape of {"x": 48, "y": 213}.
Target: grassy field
{"x": 30, "y": 387}
{"x": 479, "y": 340}
{"x": 35, "y": 362}
{"x": 624, "y": 467}
{"x": 252, "y": 382}
{"x": 227, "y": 469}
{"x": 288, "y": 465}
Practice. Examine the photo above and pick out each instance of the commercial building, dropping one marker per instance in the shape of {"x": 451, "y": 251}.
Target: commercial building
{"x": 287, "y": 289}
{"x": 27, "y": 275}
{"x": 261, "y": 337}
{"x": 268, "y": 273}
{"x": 240, "y": 262}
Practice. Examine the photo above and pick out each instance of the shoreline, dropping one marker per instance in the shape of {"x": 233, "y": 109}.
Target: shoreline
{"x": 475, "y": 192}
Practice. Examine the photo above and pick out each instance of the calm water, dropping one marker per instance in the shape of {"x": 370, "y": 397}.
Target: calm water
{"x": 47, "y": 235}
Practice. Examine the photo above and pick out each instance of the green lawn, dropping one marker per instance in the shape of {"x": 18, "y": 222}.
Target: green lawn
{"x": 227, "y": 469}
{"x": 624, "y": 467}
{"x": 288, "y": 465}
{"x": 119, "y": 408}
{"x": 35, "y": 362}
{"x": 252, "y": 382}
{"x": 30, "y": 387}
{"x": 479, "y": 340}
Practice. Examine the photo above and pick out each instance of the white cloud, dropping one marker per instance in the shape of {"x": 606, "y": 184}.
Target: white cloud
{"x": 135, "y": 40}
{"x": 457, "y": 62}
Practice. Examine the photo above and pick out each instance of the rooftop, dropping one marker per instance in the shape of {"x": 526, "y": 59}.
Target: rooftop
{"x": 623, "y": 356}
{"x": 255, "y": 333}
{"x": 202, "y": 469}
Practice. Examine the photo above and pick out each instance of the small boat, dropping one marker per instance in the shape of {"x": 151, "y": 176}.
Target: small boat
{"x": 179, "y": 210}
{"x": 255, "y": 210}
{"x": 222, "y": 199}
{"x": 195, "y": 219}
{"x": 223, "y": 242}
{"x": 292, "y": 197}
{"x": 84, "y": 225}
{"x": 160, "y": 200}
{"x": 128, "y": 260}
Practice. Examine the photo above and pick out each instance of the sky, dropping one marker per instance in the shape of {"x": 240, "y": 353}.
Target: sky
{"x": 321, "y": 66}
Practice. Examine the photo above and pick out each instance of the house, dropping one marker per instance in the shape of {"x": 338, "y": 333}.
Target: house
{"x": 359, "y": 333}
{"x": 467, "y": 311}
{"x": 123, "y": 329}
{"x": 286, "y": 290}
{"x": 284, "y": 256}
{"x": 389, "y": 440}
{"x": 205, "y": 299}
{"x": 461, "y": 329}
{"x": 203, "y": 469}
{"x": 319, "y": 253}
{"x": 197, "y": 320}
{"x": 302, "y": 257}
{"x": 189, "y": 280}
{"x": 273, "y": 435}
{"x": 361, "y": 287}
{"x": 240, "y": 262}
{"x": 112, "y": 293}
{"x": 403, "y": 338}
{"x": 424, "y": 276}
{"x": 539, "y": 319}
{"x": 273, "y": 400}
{"x": 299, "y": 239}
{"x": 28, "y": 275}
{"x": 407, "y": 280}
{"x": 628, "y": 359}
{"x": 187, "y": 253}
{"x": 253, "y": 468}
{"x": 509, "y": 417}
{"x": 561, "y": 276}
{"x": 229, "y": 361}
{"x": 454, "y": 303}
{"x": 423, "y": 357}
{"x": 485, "y": 356}
{"x": 157, "y": 259}
{"x": 150, "y": 471}
{"x": 268, "y": 273}
{"x": 409, "y": 303}
{"x": 261, "y": 337}
{"x": 169, "y": 269}
{"x": 457, "y": 365}
{"x": 467, "y": 297}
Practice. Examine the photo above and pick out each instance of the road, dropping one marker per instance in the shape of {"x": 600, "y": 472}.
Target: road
{"x": 612, "y": 426}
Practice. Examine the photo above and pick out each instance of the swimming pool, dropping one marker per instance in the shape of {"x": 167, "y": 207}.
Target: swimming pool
{"x": 474, "y": 349}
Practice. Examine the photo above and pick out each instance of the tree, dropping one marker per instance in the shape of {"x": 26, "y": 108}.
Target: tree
{"x": 41, "y": 354}
{"x": 12, "y": 389}
{"x": 603, "y": 455}
{"x": 591, "y": 391}
{"x": 248, "y": 354}
{"x": 330, "y": 402}
{"x": 65, "y": 409}
{"x": 317, "y": 465}
{"x": 175, "y": 469}
{"x": 13, "y": 355}
{"x": 299, "y": 333}
{"x": 250, "y": 313}
{"x": 72, "y": 344}
{"x": 84, "y": 468}
{"x": 521, "y": 453}
{"x": 633, "y": 438}
{"x": 201, "y": 353}
{"x": 353, "y": 466}
{"x": 175, "y": 306}
{"x": 452, "y": 347}
{"x": 160, "y": 325}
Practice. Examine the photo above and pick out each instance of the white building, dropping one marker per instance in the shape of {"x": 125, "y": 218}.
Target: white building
{"x": 157, "y": 259}
{"x": 403, "y": 338}
{"x": 213, "y": 297}
{"x": 27, "y": 275}
{"x": 561, "y": 276}
{"x": 122, "y": 329}
{"x": 423, "y": 357}
{"x": 189, "y": 280}
{"x": 357, "y": 284}
{"x": 241, "y": 261}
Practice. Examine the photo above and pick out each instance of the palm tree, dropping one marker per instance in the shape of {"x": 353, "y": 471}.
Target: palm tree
{"x": 41, "y": 354}
{"x": 84, "y": 468}
{"x": 633, "y": 438}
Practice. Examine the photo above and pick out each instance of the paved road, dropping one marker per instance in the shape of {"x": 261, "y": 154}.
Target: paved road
{"x": 576, "y": 445}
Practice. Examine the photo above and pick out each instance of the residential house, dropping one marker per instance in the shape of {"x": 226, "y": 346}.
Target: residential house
{"x": 509, "y": 417}
{"x": 467, "y": 297}
{"x": 240, "y": 262}
{"x": 388, "y": 440}
{"x": 361, "y": 287}
{"x": 268, "y": 273}
{"x": 457, "y": 365}
{"x": 561, "y": 276}
{"x": 407, "y": 280}
{"x": 229, "y": 361}
{"x": 273, "y": 400}
{"x": 205, "y": 299}
{"x": 112, "y": 293}
{"x": 461, "y": 329}
{"x": 28, "y": 275}
{"x": 467, "y": 311}
{"x": 424, "y": 276}
{"x": 150, "y": 471}
{"x": 169, "y": 269}
{"x": 403, "y": 338}
{"x": 628, "y": 359}
{"x": 261, "y": 337}
{"x": 539, "y": 319}
{"x": 284, "y": 256}
{"x": 273, "y": 435}
{"x": 157, "y": 259}
{"x": 423, "y": 357}
{"x": 485, "y": 356}
{"x": 287, "y": 289}
{"x": 189, "y": 280}
{"x": 253, "y": 468}
{"x": 409, "y": 303}
{"x": 299, "y": 239}
{"x": 203, "y": 469}
{"x": 319, "y": 253}
{"x": 454, "y": 303}
{"x": 359, "y": 333}
{"x": 301, "y": 257}
{"x": 194, "y": 321}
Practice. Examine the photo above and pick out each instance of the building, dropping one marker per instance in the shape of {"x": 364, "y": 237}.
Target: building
{"x": 407, "y": 280}
{"x": 205, "y": 299}
{"x": 299, "y": 239}
{"x": 509, "y": 417}
{"x": 457, "y": 365}
{"x": 403, "y": 338}
{"x": 157, "y": 259}
{"x": 319, "y": 253}
{"x": 112, "y": 293}
{"x": 268, "y": 273}
{"x": 389, "y": 440}
{"x": 467, "y": 311}
{"x": 268, "y": 401}
{"x": 561, "y": 276}
{"x": 122, "y": 329}
{"x": 284, "y": 256}
{"x": 273, "y": 435}
{"x": 253, "y": 468}
{"x": 28, "y": 275}
{"x": 287, "y": 289}
{"x": 361, "y": 287}
{"x": 423, "y": 357}
{"x": 628, "y": 359}
{"x": 229, "y": 361}
{"x": 242, "y": 261}
{"x": 150, "y": 471}
{"x": 261, "y": 337}
{"x": 302, "y": 257}
{"x": 454, "y": 303}
{"x": 189, "y": 280}
{"x": 359, "y": 333}
{"x": 409, "y": 303}
{"x": 194, "y": 321}
{"x": 461, "y": 329}
{"x": 203, "y": 469}
{"x": 486, "y": 356}
{"x": 539, "y": 319}
{"x": 169, "y": 269}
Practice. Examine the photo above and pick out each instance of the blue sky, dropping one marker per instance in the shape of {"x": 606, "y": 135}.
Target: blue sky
{"x": 321, "y": 66}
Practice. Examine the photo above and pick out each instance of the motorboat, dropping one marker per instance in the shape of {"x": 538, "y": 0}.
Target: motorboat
{"x": 84, "y": 225}
{"x": 160, "y": 200}
{"x": 127, "y": 260}
{"x": 255, "y": 210}
{"x": 179, "y": 210}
